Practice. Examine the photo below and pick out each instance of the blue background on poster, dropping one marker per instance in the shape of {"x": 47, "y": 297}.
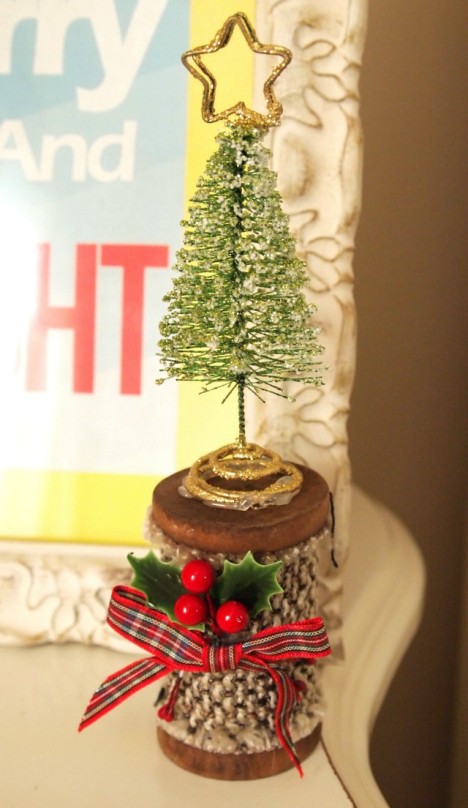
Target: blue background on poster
{"x": 92, "y": 153}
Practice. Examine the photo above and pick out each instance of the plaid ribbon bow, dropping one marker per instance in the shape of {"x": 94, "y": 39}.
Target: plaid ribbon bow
{"x": 174, "y": 648}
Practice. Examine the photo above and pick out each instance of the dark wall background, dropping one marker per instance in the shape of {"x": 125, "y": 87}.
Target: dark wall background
{"x": 408, "y": 428}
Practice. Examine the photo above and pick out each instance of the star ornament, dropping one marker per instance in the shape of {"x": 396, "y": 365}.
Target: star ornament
{"x": 240, "y": 113}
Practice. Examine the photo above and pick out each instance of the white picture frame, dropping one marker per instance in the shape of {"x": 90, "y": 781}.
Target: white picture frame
{"x": 58, "y": 592}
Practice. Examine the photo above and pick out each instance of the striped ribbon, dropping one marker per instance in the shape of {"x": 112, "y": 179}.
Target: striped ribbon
{"x": 175, "y": 648}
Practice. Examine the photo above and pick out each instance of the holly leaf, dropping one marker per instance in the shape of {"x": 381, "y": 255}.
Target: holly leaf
{"x": 249, "y": 582}
{"x": 159, "y": 580}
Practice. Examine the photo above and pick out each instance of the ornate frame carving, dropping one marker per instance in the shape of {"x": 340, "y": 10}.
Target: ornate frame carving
{"x": 59, "y": 592}
{"x": 317, "y": 152}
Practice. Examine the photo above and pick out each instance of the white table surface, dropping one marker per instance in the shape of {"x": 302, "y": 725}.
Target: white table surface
{"x": 46, "y": 763}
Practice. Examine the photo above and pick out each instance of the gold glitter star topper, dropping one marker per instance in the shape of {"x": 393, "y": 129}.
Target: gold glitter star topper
{"x": 239, "y": 113}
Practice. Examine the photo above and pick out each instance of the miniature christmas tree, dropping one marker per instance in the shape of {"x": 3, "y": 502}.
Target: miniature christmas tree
{"x": 237, "y": 317}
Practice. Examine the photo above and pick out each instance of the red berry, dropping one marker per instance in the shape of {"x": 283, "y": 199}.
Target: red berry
{"x": 190, "y": 610}
{"x": 232, "y": 617}
{"x": 198, "y": 576}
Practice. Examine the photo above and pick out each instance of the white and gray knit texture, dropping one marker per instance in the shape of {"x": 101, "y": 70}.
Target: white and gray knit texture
{"x": 234, "y": 711}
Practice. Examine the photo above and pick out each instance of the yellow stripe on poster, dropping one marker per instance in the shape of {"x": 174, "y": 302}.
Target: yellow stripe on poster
{"x": 204, "y": 422}
{"x": 61, "y": 506}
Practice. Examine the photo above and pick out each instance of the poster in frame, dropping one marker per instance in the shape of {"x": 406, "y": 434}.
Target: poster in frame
{"x": 94, "y": 197}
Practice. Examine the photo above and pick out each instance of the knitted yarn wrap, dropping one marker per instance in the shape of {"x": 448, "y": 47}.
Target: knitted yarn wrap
{"x": 233, "y": 712}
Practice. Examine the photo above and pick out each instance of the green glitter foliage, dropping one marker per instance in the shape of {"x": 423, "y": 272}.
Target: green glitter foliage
{"x": 236, "y": 314}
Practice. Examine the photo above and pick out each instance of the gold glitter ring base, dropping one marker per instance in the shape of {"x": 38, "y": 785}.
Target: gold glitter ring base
{"x": 244, "y": 463}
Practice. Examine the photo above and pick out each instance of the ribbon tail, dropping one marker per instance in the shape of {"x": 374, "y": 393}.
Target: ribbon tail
{"x": 288, "y": 696}
{"x": 120, "y": 685}
{"x": 166, "y": 712}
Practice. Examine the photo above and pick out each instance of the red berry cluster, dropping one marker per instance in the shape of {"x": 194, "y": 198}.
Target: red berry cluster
{"x": 196, "y": 606}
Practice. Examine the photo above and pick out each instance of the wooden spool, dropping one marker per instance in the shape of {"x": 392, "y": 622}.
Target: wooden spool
{"x": 253, "y": 766}
{"x": 192, "y": 523}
